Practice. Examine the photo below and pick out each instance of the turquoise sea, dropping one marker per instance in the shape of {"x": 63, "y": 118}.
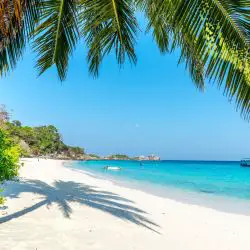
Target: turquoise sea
{"x": 218, "y": 178}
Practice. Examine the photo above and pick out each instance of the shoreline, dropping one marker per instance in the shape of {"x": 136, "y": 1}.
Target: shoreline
{"x": 226, "y": 204}
{"x": 104, "y": 159}
{"x": 54, "y": 207}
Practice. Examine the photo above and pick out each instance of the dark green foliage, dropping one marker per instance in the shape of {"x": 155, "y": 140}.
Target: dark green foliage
{"x": 56, "y": 35}
{"x": 107, "y": 25}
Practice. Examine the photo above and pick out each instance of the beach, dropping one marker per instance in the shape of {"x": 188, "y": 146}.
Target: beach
{"x": 56, "y": 207}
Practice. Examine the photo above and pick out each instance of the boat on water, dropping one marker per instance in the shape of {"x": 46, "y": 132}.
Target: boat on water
{"x": 112, "y": 168}
{"x": 245, "y": 162}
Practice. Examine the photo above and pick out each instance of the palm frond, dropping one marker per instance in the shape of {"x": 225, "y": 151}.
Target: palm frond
{"x": 160, "y": 21}
{"x": 56, "y": 35}
{"x": 107, "y": 25}
{"x": 17, "y": 20}
{"x": 213, "y": 35}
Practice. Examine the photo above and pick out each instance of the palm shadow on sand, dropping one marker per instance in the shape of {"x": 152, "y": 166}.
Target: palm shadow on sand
{"x": 64, "y": 193}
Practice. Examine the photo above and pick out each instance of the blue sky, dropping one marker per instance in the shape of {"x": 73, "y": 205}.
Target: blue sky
{"x": 149, "y": 108}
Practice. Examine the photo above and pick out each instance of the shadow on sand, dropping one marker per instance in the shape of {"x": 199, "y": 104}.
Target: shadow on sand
{"x": 63, "y": 193}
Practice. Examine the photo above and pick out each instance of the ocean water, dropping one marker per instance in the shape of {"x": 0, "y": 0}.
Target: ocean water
{"x": 226, "y": 179}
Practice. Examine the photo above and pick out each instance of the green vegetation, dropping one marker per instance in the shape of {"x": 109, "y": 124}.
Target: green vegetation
{"x": 2, "y": 200}
{"x": 41, "y": 141}
{"x": 36, "y": 141}
{"x": 9, "y": 157}
{"x": 213, "y": 36}
{"x": 9, "y": 152}
{"x": 94, "y": 156}
{"x": 17, "y": 140}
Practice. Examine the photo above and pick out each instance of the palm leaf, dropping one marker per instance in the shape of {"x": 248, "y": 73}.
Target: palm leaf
{"x": 107, "y": 25}
{"x": 213, "y": 34}
{"x": 160, "y": 21}
{"x": 17, "y": 20}
{"x": 56, "y": 35}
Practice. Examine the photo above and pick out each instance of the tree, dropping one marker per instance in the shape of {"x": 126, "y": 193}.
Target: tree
{"x": 42, "y": 140}
{"x": 4, "y": 115}
{"x": 48, "y": 139}
{"x": 17, "y": 123}
{"x": 94, "y": 156}
{"x": 213, "y": 36}
{"x": 77, "y": 150}
{"x": 74, "y": 152}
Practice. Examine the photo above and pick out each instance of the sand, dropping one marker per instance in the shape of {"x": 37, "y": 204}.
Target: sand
{"x": 55, "y": 207}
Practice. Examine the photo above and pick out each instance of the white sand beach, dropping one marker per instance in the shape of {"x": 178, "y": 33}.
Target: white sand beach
{"x": 54, "y": 207}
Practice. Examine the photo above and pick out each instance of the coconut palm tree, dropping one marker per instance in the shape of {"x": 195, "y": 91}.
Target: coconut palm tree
{"x": 213, "y": 36}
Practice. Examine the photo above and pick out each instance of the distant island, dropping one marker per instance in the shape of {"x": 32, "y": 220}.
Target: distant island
{"x": 137, "y": 158}
{"x": 46, "y": 142}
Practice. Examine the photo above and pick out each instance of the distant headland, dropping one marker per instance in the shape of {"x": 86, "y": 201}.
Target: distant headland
{"x": 46, "y": 142}
{"x": 126, "y": 157}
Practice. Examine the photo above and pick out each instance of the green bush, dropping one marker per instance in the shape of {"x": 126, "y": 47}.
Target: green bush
{"x": 9, "y": 157}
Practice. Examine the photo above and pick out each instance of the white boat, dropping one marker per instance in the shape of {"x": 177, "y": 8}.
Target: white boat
{"x": 112, "y": 168}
